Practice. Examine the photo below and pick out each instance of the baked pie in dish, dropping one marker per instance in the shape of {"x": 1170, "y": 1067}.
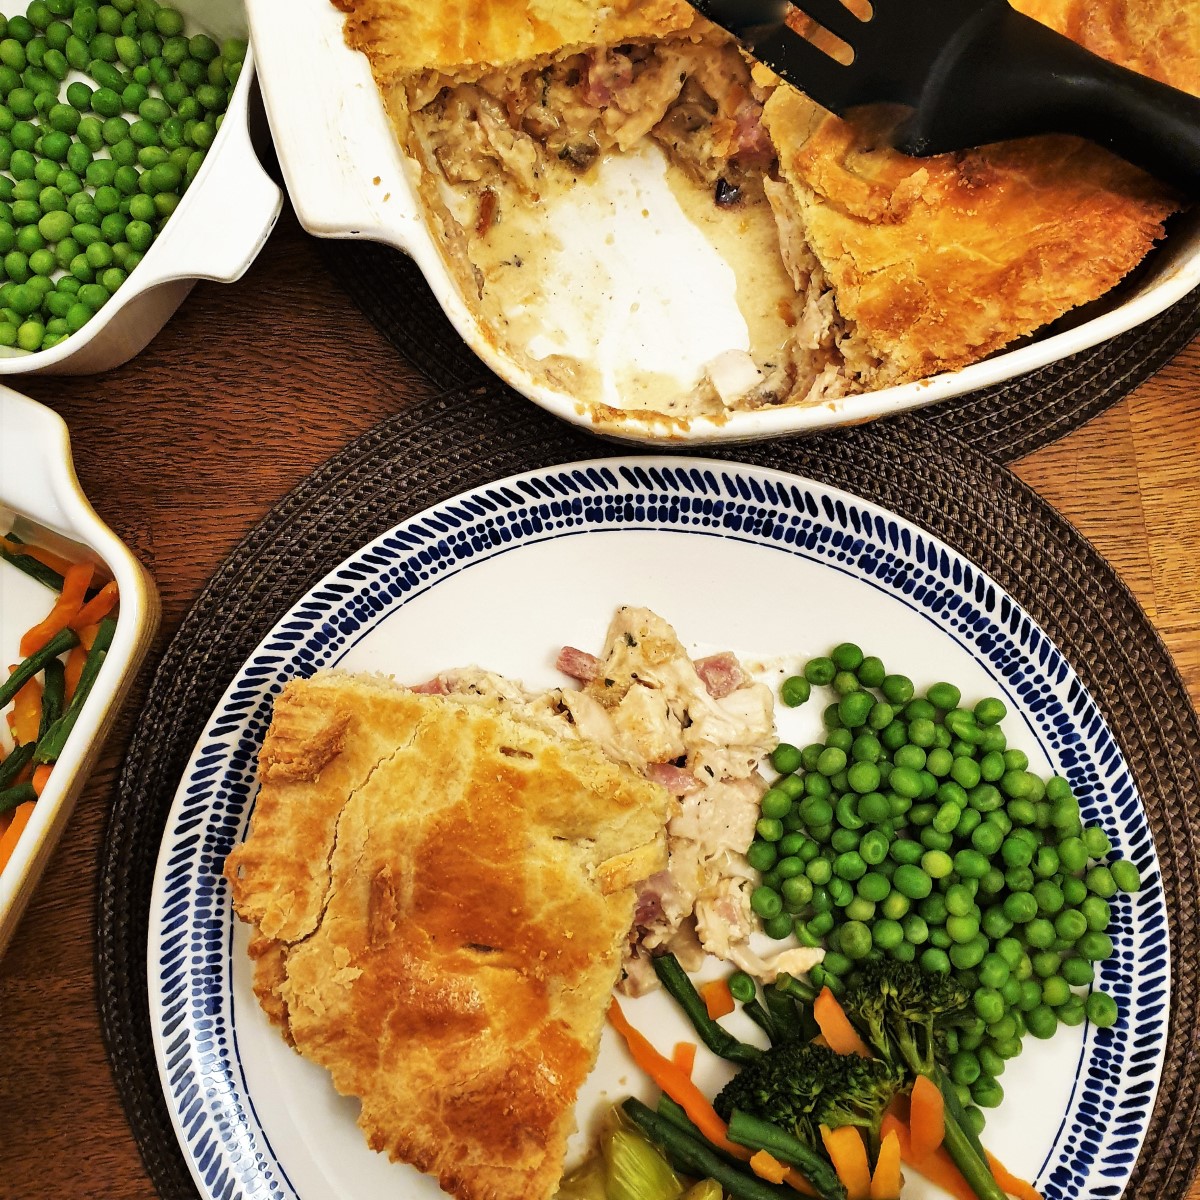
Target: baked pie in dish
{"x": 856, "y": 267}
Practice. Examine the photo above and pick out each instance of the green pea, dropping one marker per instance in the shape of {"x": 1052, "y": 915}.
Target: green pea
{"x": 112, "y": 279}
{"x": 965, "y": 772}
{"x": 1125, "y": 875}
{"x": 1100, "y": 880}
{"x": 935, "y": 961}
{"x": 855, "y": 940}
{"x": 1072, "y": 854}
{"x": 962, "y": 929}
{"x": 65, "y": 251}
{"x": 30, "y": 335}
{"x": 125, "y": 180}
{"x": 934, "y": 839}
{"x": 909, "y": 880}
{"x": 1070, "y": 925}
{"x": 140, "y": 235}
{"x": 99, "y": 255}
{"x": 169, "y": 24}
{"x": 849, "y": 866}
{"x": 944, "y": 696}
{"x": 1094, "y": 946}
{"x": 897, "y": 689}
{"x": 55, "y": 224}
{"x": 874, "y": 886}
{"x": 766, "y": 902}
{"x": 1049, "y": 897}
{"x": 1096, "y": 841}
{"x": 93, "y": 295}
{"x": 794, "y": 691}
{"x": 988, "y": 1004}
{"x": 1102, "y": 1010}
{"x": 819, "y": 672}
{"x": 966, "y": 955}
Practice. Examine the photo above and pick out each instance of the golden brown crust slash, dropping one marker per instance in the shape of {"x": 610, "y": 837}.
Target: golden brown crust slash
{"x": 402, "y": 36}
{"x": 471, "y": 929}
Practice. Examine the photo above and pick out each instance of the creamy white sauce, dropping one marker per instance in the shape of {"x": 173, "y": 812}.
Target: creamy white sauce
{"x": 633, "y": 271}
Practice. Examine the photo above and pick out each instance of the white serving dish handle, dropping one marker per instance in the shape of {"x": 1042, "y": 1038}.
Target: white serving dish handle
{"x": 339, "y": 154}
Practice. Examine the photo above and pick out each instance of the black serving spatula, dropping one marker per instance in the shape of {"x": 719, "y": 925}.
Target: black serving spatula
{"x": 974, "y": 71}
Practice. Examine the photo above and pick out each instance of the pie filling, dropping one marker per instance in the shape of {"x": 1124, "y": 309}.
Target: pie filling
{"x": 504, "y": 141}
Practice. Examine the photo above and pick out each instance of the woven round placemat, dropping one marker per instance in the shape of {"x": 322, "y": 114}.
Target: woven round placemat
{"x": 1007, "y": 421}
{"x": 434, "y": 449}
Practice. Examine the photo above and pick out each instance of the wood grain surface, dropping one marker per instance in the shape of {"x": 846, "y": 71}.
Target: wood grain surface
{"x": 248, "y": 389}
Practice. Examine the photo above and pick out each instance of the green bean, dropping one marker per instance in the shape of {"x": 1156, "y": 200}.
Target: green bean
{"x": 30, "y": 666}
{"x": 50, "y": 745}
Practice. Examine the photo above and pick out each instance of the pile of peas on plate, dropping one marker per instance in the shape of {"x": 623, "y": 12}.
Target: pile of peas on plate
{"x": 914, "y": 831}
{"x": 106, "y": 112}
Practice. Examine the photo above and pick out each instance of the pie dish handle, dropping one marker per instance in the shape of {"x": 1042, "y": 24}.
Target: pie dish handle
{"x": 337, "y": 149}
{"x": 37, "y": 472}
{"x": 233, "y": 206}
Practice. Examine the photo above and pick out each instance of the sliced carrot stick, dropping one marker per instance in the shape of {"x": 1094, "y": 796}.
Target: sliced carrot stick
{"x": 97, "y": 608}
{"x": 1009, "y": 1182}
{"x": 718, "y": 999}
{"x": 887, "y": 1180}
{"x": 66, "y": 607}
{"x": 849, "y": 1157}
{"x": 676, "y": 1084}
{"x": 684, "y": 1057}
{"x": 835, "y": 1026}
{"x": 12, "y": 835}
{"x": 74, "y": 669}
{"x": 5, "y": 822}
{"x": 927, "y": 1118}
{"x": 938, "y": 1168}
{"x": 47, "y": 558}
{"x": 767, "y": 1166}
{"x": 26, "y": 713}
{"x": 41, "y": 776}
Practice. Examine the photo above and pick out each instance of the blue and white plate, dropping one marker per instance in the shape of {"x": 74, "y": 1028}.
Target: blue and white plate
{"x": 772, "y": 566}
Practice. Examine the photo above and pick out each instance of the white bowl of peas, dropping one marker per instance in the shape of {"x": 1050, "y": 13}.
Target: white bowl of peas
{"x": 126, "y": 173}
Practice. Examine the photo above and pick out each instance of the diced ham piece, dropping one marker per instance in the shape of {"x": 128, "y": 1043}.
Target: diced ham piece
{"x": 606, "y": 74}
{"x": 751, "y": 142}
{"x": 721, "y": 673}
{"x": 675, "y": 779}
{"x": 431, "y": 687}
{"x": 579, "y": 664}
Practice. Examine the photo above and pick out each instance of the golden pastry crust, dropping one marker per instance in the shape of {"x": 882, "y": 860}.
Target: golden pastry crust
{"x": 478, "y": 897}
{"x": 939, "y": 262}
{"x": 401, "y": 36}
{"x": 1159, "y": 38}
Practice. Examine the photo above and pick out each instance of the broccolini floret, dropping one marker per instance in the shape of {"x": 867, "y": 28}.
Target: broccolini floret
{"x": 801, "y": 1086}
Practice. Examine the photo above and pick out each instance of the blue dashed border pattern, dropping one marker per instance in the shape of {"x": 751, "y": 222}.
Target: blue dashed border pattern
{"x": 191, "y": 920}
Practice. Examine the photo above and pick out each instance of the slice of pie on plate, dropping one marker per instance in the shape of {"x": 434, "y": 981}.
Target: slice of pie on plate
{"x": 442, "y": 892}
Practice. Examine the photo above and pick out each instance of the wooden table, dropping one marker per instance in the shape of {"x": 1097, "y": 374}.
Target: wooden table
{"x": 246, "y": 391}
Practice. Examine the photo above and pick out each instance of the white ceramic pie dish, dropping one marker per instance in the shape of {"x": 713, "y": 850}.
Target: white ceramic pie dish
{"x": 348, "y": 178}
{"x": 40, "y": 499}
{"x": 221, "y": 224}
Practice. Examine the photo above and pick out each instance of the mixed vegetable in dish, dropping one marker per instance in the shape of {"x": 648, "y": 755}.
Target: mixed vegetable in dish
{"x": 106, "y": 113}
{"x": 45, "y": 692}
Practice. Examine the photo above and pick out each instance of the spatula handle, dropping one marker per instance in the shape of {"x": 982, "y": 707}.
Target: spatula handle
{"x": 1012, "y": 77}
